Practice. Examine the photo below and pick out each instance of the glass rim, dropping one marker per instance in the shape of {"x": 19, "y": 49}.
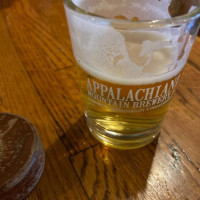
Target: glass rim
{"x": 194, "y": 14}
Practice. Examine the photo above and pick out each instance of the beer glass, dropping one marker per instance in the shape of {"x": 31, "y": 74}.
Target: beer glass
{"x": 130, "y": 55}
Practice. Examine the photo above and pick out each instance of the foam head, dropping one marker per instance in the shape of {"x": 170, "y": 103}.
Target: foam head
{"x": 126, "y": 56}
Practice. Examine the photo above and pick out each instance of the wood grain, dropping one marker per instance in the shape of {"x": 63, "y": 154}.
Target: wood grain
{"x": 39, "y": 81}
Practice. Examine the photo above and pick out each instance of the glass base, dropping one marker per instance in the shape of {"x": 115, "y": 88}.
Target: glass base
{"x": 122, "y": 141}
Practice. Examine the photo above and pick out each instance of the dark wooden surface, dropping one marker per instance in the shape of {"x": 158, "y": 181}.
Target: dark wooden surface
{"x": 39, "y": 81}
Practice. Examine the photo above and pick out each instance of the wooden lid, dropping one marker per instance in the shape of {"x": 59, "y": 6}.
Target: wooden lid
{"x": 21, "y": 156}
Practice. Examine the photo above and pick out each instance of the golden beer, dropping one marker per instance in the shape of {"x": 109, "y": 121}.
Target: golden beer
{"x": 119, "y": 113}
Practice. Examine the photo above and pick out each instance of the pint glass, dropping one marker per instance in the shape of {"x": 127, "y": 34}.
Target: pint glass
{"x": 130, "y": 55}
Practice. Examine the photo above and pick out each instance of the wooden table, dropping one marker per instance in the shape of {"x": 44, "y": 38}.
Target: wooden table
{"x": 39, "y": 81}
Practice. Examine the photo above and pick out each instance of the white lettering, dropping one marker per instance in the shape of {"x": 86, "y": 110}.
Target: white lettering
{"x": 135, "y": 104}
{"x": 149, "y": 93}
{"x": 110, "y": 93}
{"x": 158, "y": 90}
{"x": 89, "y": 86}
{"x": 109, "y": 101}
{"x": 142, "y": 104}
{"x": 118, "y": 95}
{"x": 104, "y": 89}
{"x": 115, "y": 103}
{"x": 130, "y": 95}
{"x": 164, "y": 90}
{"x": 159, "y": 100}
{"x": 154, "y": 101}
{"x": 95, "y": 86}
{"x": 148, "y": 103}
{"x": 103, "y": 100}
{"x": 141, "y": 99}
{"x": 89, "y": 93}
{"x": 137, "y": 94}
{"x": 126, "y": 104}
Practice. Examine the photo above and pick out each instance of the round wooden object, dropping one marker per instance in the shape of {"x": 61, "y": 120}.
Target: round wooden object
{"x": 21, "y": 157}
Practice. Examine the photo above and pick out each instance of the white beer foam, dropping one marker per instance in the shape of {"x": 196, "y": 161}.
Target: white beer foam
{"x": 144, "y": 9}
{"x": 126, "y": 56}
